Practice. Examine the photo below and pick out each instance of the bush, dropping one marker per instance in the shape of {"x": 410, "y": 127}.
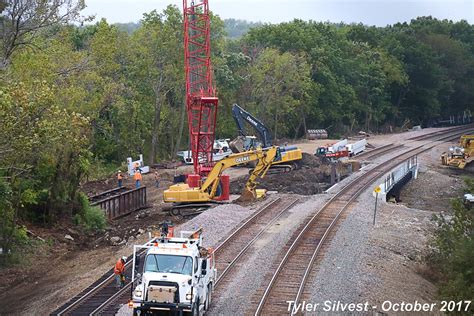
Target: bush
{"x": 90, "y": 217}
{"x": 453, "y": 251}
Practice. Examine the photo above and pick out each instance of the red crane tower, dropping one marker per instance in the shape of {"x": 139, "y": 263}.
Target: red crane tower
{"x": 201, "y": 100}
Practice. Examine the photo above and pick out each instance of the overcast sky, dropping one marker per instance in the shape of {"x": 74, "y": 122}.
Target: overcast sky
{"x": 371, "y": 12}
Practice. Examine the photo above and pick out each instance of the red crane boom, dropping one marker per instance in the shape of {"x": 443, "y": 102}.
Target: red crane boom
{"x": 201, "y": 100}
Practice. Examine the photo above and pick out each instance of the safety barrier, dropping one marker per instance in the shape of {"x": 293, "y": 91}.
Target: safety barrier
{"x": 398, "y": 176}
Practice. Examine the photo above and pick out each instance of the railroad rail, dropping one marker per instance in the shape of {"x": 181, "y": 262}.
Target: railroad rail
{"x": 99, "y": 296}
{"x": 436, "y": 133}
{"x": 232, "y": 249}
{"x": 385, "y": 149}
{"x": 288, "y": 276}
{"x": 378, "y": 151}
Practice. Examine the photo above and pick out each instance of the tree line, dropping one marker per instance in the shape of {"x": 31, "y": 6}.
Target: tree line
{"x": 76, "y": 100}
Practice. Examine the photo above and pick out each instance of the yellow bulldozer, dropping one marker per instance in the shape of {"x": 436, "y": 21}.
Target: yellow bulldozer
{"x": 459, "y": 156}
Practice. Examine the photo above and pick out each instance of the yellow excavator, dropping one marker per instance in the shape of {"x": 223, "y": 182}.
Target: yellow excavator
{"x": 460, "y": 156}
{"x": 182, "y": 194}
{"x": 290, "y": 155}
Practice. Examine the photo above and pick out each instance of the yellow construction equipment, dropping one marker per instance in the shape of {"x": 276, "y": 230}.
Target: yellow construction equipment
{"x": 290, "y": 155}
{"x": 460, "y": 156}
{"x": 182, "y": 193}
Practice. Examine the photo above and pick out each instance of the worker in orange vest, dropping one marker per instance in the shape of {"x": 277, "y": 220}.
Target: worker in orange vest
{"x": 120, "y": 179}
{"x": 119, "y": 270}
{"x": 138, "y": 178}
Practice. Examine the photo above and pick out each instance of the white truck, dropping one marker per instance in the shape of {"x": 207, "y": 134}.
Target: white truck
{"x": 334, "y": 151}
{"x": 357, "y": 147}
{"x": 221, "y": 150}
{"x": 176, "y": 276}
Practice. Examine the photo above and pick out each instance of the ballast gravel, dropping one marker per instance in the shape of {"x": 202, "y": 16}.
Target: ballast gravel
{"x": 217, "y": 223}
{"x": 234, "y": 298}
{"x": 374, "y": 263}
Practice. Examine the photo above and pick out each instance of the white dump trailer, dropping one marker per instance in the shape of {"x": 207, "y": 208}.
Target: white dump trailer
{"x": 339, "y": 146}
{"x": 357, "y": 147}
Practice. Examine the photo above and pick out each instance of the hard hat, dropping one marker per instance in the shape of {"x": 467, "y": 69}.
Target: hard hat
{"x": 124, "y": 258}
{"x": 119, "y": 171}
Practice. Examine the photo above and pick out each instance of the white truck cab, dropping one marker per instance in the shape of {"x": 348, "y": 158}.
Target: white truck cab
{"x": 174, "y": 274}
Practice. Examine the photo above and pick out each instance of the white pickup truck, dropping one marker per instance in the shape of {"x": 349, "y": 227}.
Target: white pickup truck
{"x": 176, "y": 275}
{"x": 221, "y": 150}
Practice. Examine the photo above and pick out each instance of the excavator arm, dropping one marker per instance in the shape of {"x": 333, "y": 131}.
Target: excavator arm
{"x": 264, "y": 160}
{"x": 240, "y": 116}
{"x": 182, "y": 193}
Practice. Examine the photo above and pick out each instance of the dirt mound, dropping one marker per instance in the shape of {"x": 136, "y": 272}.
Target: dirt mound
{"x": 311, "y": 178}
{"x": 310, "y": 161}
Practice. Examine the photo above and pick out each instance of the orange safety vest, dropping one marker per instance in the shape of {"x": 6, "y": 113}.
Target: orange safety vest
{"x": 137, "y": 176}
{"x": 119, "y": 267}
{"x": 119, "y": 176}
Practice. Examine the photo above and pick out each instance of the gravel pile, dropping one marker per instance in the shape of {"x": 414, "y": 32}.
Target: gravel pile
{"x": 217, "y": 222}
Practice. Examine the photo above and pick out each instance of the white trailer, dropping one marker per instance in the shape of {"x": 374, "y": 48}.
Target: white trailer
{"x": 356, "y": 147}
{"x": 177, "y": 275}
{"x": 339, "y": 146}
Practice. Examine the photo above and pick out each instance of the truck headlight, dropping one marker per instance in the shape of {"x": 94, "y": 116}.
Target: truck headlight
{"x": 189, "y": 296}
{"x": 137, "y": 293}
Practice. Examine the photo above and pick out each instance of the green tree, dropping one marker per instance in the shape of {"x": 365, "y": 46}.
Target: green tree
{"x": 41, "y": 185}
{"x": 22, "y": 20}
{"x": 158, "y": 71}
{"x": 281, "y": 85}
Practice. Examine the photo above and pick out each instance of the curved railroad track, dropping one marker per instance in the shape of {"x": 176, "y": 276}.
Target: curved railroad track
{"x": 289, "y": 274}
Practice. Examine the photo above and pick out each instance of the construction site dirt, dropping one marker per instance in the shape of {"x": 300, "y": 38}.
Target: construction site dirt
{"x": 60, "y": 271}
{"x": 311, "y": 177}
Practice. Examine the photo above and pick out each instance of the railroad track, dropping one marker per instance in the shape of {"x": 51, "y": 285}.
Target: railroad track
{"x": 377, "y": 151}
{"x": 99, "y": 296}
{"x": 289, "y": 274}
{"x": 102, "y": 297}
{"x": 385, "y": 149}
{"x": 430, "y": 135}
{"x": 232, "y": 250}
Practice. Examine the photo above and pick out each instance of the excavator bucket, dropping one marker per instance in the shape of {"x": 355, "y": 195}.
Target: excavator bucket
{"x": 247, "y": 196}
{"x": 237, "y": 145}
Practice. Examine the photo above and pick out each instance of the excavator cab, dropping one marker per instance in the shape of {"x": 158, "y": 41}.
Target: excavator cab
{"x": 244, "y": 143}
{"x": 321, "y": 151}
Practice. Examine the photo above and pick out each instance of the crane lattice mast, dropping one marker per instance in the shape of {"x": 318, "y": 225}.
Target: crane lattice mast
{"x": 201, "y": 100}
